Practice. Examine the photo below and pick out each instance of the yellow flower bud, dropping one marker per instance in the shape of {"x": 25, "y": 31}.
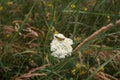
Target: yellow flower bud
{"x": 73, "y": 71}
{"x": 77, "y": 66}
{"x": 102, "y": 69}
{"x": 85, "y": 9}
{"x": 108, "y": 20}
{"x": 10, "y": 3}
{"x": 73, "y": 6}
{"x": 108, "y": 17}
{"x": 49, "y": 4}
{"x": 1, "y": 8}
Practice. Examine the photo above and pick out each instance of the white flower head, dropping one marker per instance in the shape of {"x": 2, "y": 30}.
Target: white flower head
{"x": 61, "y": 46}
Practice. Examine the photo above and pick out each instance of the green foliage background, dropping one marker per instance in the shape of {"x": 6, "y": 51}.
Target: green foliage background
{"x": 76, "y": 19}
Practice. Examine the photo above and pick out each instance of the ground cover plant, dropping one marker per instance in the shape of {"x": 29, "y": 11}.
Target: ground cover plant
{"x": 28, "y": 27}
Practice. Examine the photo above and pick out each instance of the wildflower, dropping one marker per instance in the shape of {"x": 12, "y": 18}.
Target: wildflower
{"x": 61, "y": 46}
{"x": 8, "y": 36}
{"x": 49, "y": 4}
{"x": 108, "y": 18}
{"x": 119, "y": 13}
{"x": 77, "y": 66}
{"x": 74, "y": 71}
{"x": 1, "y": 8}
{"x": 77, "y": 38}
{"x": 10, "y": 3}
{"x": 73, "y": 6}
{"x": 102, "y": 69}
{"x": 85, "y": 9}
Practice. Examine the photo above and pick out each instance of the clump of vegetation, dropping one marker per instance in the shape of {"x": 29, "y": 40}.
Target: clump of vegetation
{"x": 27, "y": 28}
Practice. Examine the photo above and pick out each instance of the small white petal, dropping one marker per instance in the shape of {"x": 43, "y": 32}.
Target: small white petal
{"x": 68, "y": 41}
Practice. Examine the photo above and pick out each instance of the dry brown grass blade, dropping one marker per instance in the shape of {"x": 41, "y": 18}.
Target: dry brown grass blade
{"x": 47, "y": 60}
{"x": 105, "y": 55}
{"x": 32, "y": 73}
{"x": 103, "y": 29}
{"x": 80, "y": 57}
{"x": 41, "y": 67}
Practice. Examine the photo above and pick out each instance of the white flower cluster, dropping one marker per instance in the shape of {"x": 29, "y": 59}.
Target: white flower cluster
{"x": 61, "y": 46}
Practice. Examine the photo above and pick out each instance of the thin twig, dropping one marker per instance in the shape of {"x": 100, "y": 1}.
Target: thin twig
{"x": 103, "y": 29}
